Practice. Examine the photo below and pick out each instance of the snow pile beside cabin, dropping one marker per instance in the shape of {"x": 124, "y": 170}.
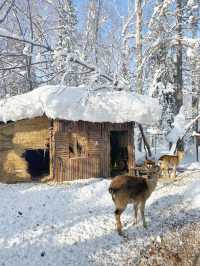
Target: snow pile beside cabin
{"x": 179, "y": 127}
{"x": 74, "y": 224}
{"x": 80, "y": 103}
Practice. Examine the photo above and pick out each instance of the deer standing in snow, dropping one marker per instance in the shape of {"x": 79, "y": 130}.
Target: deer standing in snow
{"x": 133, "y": 189}
{"x": 168, "y": 161}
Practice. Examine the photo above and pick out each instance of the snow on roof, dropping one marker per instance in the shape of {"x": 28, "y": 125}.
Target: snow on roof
{"x": 78, "y": 103}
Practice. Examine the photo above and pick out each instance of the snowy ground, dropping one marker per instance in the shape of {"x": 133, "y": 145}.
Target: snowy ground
{"x": 73, "y": 224}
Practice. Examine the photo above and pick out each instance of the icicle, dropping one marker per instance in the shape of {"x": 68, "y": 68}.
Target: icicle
{"x": 44, "y": 154}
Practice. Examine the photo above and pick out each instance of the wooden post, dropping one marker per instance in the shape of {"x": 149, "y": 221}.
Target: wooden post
{"x": 146, "y": 144}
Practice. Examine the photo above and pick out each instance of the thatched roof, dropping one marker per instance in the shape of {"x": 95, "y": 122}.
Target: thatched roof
{"x": 79, "y": 103}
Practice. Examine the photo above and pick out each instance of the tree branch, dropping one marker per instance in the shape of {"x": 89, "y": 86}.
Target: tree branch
{"x": 7, "y": 11}
{"x": 24, "y": 66}
{"x": 16, "y": 38}
{"x": 91, "y": 68}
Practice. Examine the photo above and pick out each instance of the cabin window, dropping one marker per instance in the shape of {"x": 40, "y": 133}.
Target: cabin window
{"x": 118, "y": 152}
{"x": 77, "y": 145}
{"x": 38, "y": 163}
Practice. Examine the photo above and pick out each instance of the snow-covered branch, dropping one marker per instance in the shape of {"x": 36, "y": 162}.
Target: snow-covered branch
{"x": 5, "y": 34}
{"x": 2, "y": 19}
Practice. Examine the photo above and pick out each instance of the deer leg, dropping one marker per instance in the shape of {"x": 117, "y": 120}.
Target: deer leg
{"x": 136, "y": 212}
{"x": 173, "y": 175}
{"x": 142, "y": 207}
{"x": 118, "y": 213}
{"x": 165, "y": 169}
{"x": 169, "y": 173}
{"x": 166, "y": 172}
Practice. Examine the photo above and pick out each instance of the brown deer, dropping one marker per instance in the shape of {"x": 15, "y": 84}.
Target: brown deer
{"x": 133, "y": 189}
{"x": 168, "y": 161}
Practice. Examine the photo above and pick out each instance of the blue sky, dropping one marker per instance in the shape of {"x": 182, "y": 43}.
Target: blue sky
{"x": 80, "y": 5}
{"x": 121, "y": 4}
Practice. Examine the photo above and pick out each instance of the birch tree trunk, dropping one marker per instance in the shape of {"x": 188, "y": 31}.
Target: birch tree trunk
{"x": 138, "y": 40}
{"x": 98, "y": 10}
{"x": 29, "y": 58}
{"x": 179, "y": 56}
{"x": 195, "y": 83}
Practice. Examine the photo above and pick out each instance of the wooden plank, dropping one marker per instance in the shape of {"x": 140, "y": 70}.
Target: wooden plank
{"x": 79, "y": 168}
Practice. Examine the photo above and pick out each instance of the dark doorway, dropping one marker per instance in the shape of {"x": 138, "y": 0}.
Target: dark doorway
{"x": 118, "y": 152}
{"x": 38, "y": 163}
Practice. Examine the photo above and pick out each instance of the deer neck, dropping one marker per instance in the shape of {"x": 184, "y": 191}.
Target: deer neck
{"x": 151, "y": 183}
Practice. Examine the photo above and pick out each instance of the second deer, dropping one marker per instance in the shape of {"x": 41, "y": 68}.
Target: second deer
{"x": 168, "y": 161}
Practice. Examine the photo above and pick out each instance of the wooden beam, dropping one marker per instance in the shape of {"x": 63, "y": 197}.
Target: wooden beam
{"x": 146, "y": 144}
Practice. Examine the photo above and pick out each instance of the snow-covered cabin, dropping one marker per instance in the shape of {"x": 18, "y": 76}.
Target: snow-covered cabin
{"x": 69, "y": 133}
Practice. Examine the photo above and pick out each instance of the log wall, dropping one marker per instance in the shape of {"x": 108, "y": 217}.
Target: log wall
{"x": 95, "y": 160}
{"x": 92, "y": 161}
{"x": 15, "y": 138}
